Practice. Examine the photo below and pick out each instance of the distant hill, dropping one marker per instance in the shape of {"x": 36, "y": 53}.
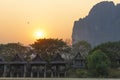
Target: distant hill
{"x": 101, "y": 25}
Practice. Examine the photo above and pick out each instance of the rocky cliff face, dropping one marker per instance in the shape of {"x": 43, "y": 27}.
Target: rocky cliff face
{"x": 101, "y": 25}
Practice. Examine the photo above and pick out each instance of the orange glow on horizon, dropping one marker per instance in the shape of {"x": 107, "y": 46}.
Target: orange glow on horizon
{"x": 25, "y": 21}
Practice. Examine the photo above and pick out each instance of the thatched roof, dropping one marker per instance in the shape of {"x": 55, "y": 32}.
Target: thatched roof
{"x": 57, "y": 59}
{"x": 78, "y": 57}
{"x": 18, "y": 59}
{"x": 2, "y": 60}
{"x": 38, "y": 60}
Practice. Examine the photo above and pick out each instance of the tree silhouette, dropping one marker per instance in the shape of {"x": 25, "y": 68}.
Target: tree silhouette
{"x": 49, "y": 47}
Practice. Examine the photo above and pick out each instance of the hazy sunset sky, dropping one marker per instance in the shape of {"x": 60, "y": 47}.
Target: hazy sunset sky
{"x": 20, "y": 19}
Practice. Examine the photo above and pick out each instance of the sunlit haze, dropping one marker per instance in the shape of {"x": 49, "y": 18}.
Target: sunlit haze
{"x": 27, "y": 20}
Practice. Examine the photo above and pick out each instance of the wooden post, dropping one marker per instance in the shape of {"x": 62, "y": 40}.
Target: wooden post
{"x": 31, "y": 72}
{"x": 24, "y": 70}
{"x": 65, "y": 70}
{"x": 17, "y": 74}
{"x": 10, "y": 71}
{"x": 57, "y": 73}
{"x": 37, "y": 74}
{"x": 4, "y": 70}
{"x": 51, "y": 74}
{"x": 65, "y": 74}
{"x": 45, "y": 71}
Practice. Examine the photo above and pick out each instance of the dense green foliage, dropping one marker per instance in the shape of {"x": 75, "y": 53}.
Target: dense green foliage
{"x": 98, "y": 64}
{"x": 112, "y": 50}
{"x": 79, "y": 73}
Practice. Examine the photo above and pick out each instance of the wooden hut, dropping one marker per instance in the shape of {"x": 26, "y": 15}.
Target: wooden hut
{"x": 2, "y": 67}
{"x": 38, "y": 67}
{"x": 58, "y": 66}
{"x": 78, "y": 61}
{"x": 17, "y": 66}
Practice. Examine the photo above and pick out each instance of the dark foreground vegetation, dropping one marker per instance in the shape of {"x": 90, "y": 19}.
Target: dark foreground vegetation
{"x": 82, "y": 61}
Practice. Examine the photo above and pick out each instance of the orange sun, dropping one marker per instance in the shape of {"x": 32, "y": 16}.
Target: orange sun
{"x": 39, "y": 34}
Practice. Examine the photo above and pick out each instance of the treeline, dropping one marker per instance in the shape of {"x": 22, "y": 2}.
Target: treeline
{"x": 45, "y": 47}
{"x": 101, "y": 61}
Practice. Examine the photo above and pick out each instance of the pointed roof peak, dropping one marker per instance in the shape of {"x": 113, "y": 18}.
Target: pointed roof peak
{"x": 78, "y": 56}
{"x": 18, "y": 58}
{"x": 2, "y": 58}
{"x": 57, "y": 59}
{"x": 38, "y": 58}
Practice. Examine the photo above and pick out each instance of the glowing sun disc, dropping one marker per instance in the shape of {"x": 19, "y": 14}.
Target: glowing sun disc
{"x": 39, "y": 34}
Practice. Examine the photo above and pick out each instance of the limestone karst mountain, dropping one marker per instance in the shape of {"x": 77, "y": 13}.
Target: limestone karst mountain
{"x": 101, "y": 25}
